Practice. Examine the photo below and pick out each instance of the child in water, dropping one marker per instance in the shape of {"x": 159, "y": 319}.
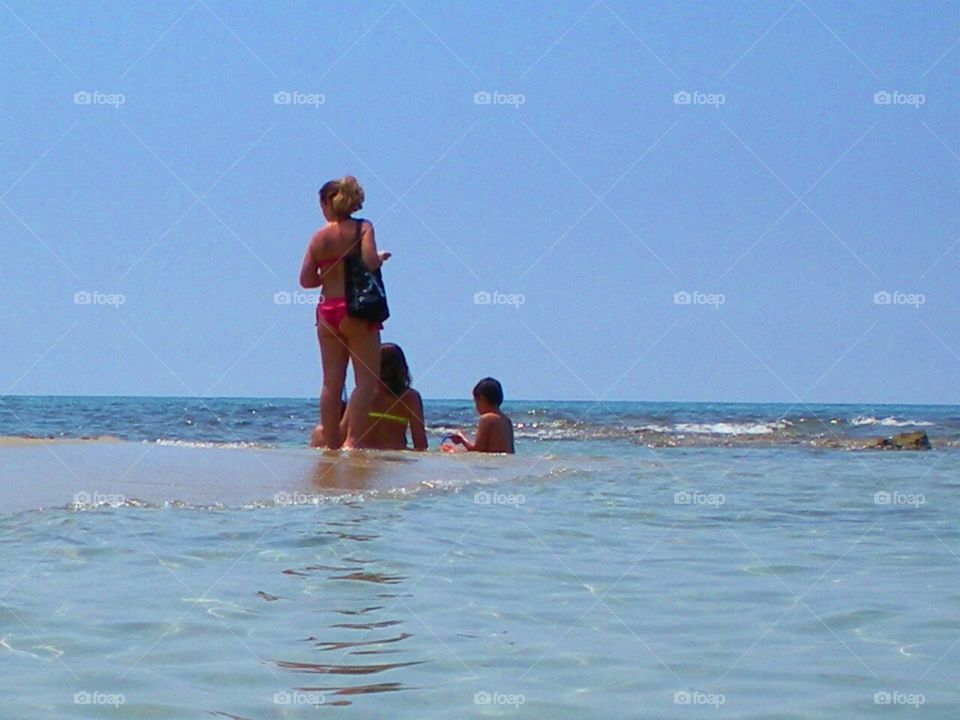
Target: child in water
{"x": 494, "y": 430}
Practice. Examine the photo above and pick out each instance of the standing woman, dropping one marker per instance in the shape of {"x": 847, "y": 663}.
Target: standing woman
{"x": 343, "y": 338}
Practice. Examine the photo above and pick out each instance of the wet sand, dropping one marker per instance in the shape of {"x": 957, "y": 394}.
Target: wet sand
{"x": 57, "y": 473}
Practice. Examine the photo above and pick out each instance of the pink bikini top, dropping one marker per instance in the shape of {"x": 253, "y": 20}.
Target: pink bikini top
{"x": 327, "y": 262}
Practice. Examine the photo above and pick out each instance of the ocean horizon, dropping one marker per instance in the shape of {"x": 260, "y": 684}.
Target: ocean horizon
{"x": 852, "y": 403}
{"x": 288, "y": 422}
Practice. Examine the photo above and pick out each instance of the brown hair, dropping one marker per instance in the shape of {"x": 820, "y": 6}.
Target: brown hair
{"x": 345, "y": 196}
{"x": 490, "y": 390}
{"x": 394, "y": 371}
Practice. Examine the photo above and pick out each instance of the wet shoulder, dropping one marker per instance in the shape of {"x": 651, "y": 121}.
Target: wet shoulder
{"x": 496, "y": 420}
{"x": 411, "y": 400}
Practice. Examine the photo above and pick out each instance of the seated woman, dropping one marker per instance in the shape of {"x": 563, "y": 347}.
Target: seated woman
{"x": 395, "y": 407}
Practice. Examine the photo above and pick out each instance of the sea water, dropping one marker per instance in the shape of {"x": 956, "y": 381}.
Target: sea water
{"x": 632, "y": 561}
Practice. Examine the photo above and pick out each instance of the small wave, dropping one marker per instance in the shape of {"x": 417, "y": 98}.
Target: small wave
{"x": 719, "y": 428}
{"x": 890, "y": 421}
{"x": 238, "y": 445}
{"x": 655, "y": 428}
{"x": 103, "y": 501}
{"x": 552, "y": 429}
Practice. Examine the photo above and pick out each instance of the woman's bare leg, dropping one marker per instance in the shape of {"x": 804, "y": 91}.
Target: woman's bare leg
{"x": 334, "y": 357}
{"x": 365, "y": 355}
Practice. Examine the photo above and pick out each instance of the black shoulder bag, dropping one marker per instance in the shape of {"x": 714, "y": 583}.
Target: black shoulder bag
{"x": 366, "y": 297}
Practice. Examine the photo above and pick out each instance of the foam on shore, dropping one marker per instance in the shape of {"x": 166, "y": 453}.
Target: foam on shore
{"x": 83, "y": 474}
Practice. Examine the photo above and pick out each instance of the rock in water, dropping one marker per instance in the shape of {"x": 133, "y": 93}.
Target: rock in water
{"x": 916, "y": 440}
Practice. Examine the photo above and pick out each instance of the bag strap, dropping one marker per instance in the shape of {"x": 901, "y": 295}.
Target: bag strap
{"x": 357, "y": 249}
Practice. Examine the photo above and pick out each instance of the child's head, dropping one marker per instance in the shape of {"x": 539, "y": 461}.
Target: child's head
{"x": 488, "y": 395}
{"x": 394, "y": 371}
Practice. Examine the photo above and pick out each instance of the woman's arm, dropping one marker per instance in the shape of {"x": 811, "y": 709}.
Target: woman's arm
{"x": 417, "y": 430}
{"x": 368, "y": 247}
{"x": 309, "y": 270}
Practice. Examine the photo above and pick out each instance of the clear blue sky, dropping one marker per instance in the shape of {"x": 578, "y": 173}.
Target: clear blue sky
{"x": 596, "y": 199}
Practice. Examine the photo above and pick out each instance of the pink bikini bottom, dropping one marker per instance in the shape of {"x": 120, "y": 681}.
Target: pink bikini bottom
{"x": 333, "y": 311}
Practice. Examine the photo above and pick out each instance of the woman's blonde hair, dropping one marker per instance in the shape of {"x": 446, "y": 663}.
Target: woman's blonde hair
{"x": 344, "y": 195}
